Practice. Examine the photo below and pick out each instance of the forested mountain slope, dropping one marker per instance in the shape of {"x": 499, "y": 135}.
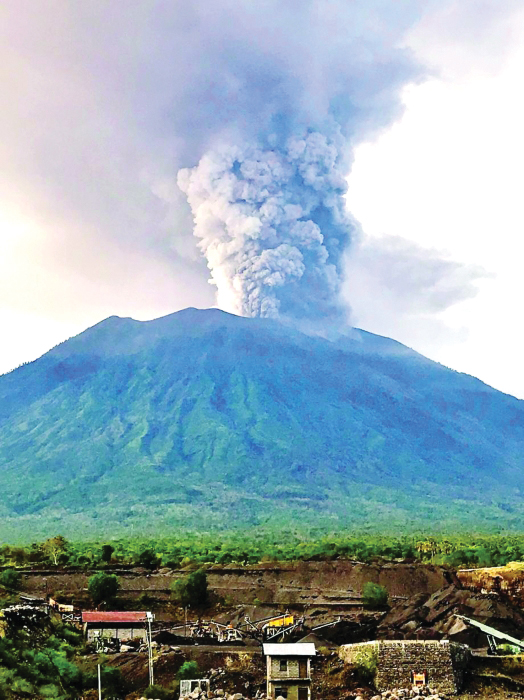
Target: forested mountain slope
{"x": 204, "y": 419}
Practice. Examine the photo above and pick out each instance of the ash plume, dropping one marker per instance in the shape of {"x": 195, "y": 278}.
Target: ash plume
{"x": 272, "y": 225}
{"x": 289, "y": 89}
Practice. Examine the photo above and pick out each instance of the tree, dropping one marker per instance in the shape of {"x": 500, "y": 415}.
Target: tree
{"x": 107, "y": 552}
{"x": 148, "y": 559}
{"x": 9, "y": 578}
{"x": 103, "y": 587}
{"x": 18, "y": 555}
{"x": 54, "y": 547}
{"x": 83, "y": 560}
{"x": 374, "y": 595}
{"x": 191, "y": 590}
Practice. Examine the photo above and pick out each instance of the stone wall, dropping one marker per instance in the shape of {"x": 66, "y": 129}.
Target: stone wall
{"x": 445, "y": 662}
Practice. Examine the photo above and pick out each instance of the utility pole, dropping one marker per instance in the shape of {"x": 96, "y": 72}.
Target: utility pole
{"x": 149, "y": 617}
{"x": 99, "y": 682}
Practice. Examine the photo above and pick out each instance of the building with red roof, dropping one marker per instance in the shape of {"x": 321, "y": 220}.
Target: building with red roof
{"x": 123, "y": 625}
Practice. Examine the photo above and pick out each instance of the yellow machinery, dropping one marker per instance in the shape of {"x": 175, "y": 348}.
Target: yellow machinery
{"x": 281, "y": 621}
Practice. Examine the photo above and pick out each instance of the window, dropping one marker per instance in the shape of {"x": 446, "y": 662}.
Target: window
{"x": 283, "y": 664}
{"x": 303, "y": 694}
{"x": 281, "y": 692}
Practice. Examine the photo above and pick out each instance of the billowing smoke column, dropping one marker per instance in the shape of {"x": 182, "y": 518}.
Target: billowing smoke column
{"x": 296, "y": 86}
{"x": 272, "y": 225}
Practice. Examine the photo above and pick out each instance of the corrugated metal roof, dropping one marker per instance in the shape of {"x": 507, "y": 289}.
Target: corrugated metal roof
{"x": 97, "y": 616}
{"x": 300, "y": 649}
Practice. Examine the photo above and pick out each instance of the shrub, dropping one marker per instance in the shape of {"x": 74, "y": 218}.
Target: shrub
{"x": 365, "y": 663}
{"x": 103, "y": 587}
{"x": 188, "y": 671}
{"x": 148, "y": 559}
{"x": 374, "y": 595}
{"x": 173, "y": 564}
{"x": 107, "y": 552}
{"x": 191, "y": 590}
{"x": 10, "y": 578}
{"x": 145, "y": 599}
{"x": 508, "y": 649}
{"x": 158, "y": 692}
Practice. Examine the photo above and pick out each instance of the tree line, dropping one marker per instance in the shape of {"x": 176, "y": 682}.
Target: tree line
{"x": 258, "y": 547}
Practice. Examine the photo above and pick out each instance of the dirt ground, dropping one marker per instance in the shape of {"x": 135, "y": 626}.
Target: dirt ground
{"x": 333, "y": 583}
{"x": 424, "y": 600}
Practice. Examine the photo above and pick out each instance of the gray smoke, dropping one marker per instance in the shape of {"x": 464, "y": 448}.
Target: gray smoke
{"x": 272, "y": 226}
{"x": 289, "y": 90}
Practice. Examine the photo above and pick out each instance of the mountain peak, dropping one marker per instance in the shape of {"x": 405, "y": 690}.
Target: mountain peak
{"x": 201, "y": 417}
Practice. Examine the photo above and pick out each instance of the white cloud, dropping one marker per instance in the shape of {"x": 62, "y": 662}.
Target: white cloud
{"x": 449, "y": 176}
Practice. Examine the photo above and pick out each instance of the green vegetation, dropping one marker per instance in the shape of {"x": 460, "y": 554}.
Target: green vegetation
{"x": 39, "y": 659}
{"x": 365, "y": 663}
{"x": 158, "y": 692}
{"x": 103, "y": 587}
{"x": 148, "y": 559}
{"x": 107, "y": 552}
{"x": 374, "y": 595}
{"x": 55, "y": 548}
{"x": 251, "y": 546}
{"x": 191, "y": 590}
{"x": 188, "y": 671}
{"x": 508, "y": 650}
{"x": 356, "y": 433}
{"x": 10, "y": 578}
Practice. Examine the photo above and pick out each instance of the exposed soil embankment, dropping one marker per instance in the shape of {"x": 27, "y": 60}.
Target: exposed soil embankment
{"x": 336, "y": 583}
{"x": 506, "y": 581}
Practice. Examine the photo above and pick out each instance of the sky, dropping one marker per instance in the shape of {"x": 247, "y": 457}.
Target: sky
{"x": 96, "y": 124}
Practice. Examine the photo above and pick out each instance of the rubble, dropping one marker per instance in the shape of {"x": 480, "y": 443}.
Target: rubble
{"x": 220, "y": 693}
{"x": 424, "y": 693}
{"x": 434, "y": 617}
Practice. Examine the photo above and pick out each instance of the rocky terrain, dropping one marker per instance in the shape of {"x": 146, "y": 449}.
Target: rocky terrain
{"x": 434, "y": 617}
{"x": 423, "y": 598}
{"x": 423, "y": 604}
{"x": 505, "y": 581}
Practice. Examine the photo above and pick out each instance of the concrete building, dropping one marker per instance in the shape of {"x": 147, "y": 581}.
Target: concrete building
{"x": 402, "y": 664}
{"x": 289, "y": 670}
{"x": 116, "y": 625}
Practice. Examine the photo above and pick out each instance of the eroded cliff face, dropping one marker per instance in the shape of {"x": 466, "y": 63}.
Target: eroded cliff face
{"x": 337, "y": 583}
{"x": 506, "y": 581}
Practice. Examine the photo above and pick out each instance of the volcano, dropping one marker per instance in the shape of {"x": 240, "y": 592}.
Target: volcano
{"x": 206, "y": 420}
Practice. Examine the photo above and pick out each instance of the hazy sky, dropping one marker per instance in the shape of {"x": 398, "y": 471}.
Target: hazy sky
{"x": 93, "y": 116}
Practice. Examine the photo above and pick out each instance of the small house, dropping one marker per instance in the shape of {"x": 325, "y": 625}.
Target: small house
{"x": 115, "y": 625}
{"x": 289, "y": 670}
